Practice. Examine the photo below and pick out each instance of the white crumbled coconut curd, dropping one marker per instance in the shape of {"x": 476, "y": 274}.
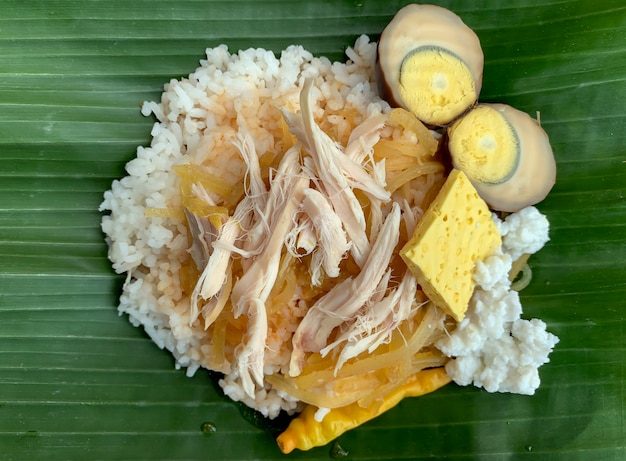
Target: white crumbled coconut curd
{"x": 493, "y": 347}
{"x": 524, "y": 232}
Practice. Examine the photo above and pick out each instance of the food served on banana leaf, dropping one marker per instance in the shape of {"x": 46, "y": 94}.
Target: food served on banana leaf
{"x": 289, "y": 229}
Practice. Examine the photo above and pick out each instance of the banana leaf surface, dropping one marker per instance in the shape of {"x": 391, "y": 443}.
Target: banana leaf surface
{"x": 77, "y": 381}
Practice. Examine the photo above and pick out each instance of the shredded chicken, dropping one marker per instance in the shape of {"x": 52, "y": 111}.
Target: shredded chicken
{"x": 215, "y": 305}
{"x": 382, "y": 286}
{"x": 219, "y": 259}
{"x": 256, "y": 194}
{"x": 363, "y": 138}
{"x": 359, "y": 151}
{"x": 328, "y": 167}
{"x": 213, "y": 260}
{"x": 214, "y": 254}
{"x": 342, "y": 302}
{"x": 307, "y": 240}
{"x": 331, "y": 239}
{"x": 375, "y": 324}
{"x": 202, "y": 236}
{"x": 214, "y": 276}
{"x": 301, "y": 239}
{"x": 250, "y": 352}
{"x": 410, "y": 216}
{"x": 250, "y": 292}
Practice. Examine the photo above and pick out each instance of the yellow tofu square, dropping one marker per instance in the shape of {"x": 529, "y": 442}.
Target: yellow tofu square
{"x": 455, "y": 232}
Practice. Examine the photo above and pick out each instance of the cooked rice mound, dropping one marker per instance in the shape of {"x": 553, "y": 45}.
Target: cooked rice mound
{"x": 196, "y": 171}
{"x": 259, "y": 235}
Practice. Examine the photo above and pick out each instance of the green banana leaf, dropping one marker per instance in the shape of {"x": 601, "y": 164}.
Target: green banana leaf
{"x": 77, "y": 381}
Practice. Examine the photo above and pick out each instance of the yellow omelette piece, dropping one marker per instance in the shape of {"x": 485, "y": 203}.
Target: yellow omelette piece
{"x": 455, "y": 232}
